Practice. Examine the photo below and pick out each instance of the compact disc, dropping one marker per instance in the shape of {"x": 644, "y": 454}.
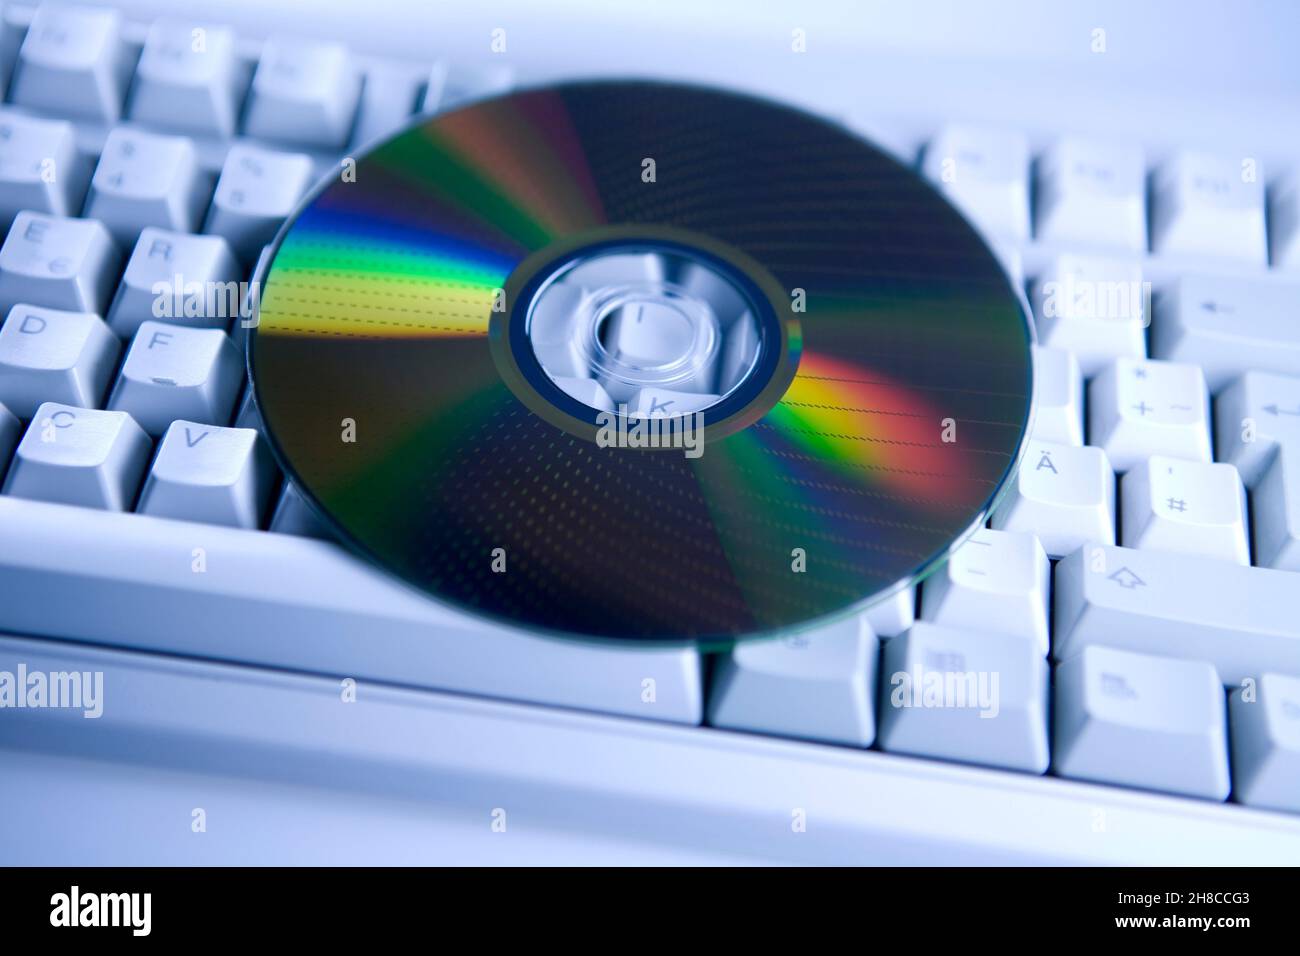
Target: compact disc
{"x": 641, "y": 361}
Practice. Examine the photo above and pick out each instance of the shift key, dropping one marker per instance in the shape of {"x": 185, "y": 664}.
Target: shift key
{"x": 1241, "y": 619}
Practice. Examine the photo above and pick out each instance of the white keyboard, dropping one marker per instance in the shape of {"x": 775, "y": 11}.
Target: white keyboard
{"x": 1130, "y": 618}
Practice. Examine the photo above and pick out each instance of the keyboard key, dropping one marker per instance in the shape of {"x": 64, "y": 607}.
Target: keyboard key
{"x": 73, "y": 63}
{"x": 388, "y": 100}
{"x": 1137, "y": 409}
{"x": 262, "y": 592}
{"x": 1277, "y": 512}
{"x": 1092, "y": 193}
{"x": 1240, "y": 619}
{"x": 1284, "y": 222}
{"x": 1189, "y": 506}
{"x": 10, "y": 430}
{"x": 657, "y": 336}
{"x": 817, "y": 685}
{"x": 248, "y": 307}
{"x": 258, "y": 188}
{"x": 13, "y": 30}
{"x": 1094, "y": 308}
{"x": 893, "y": 615}
{"x": 985, "y": 172}
{"x": 739, "y": 347}
{"x": 648, "y": 335}
{"x": 1063, "y": 494}
{"x": 249, "y": 416}
{"x": 1141, "y": 721}
{"x": 187, "y": 79}
{"x": 1209, "y": 206}
{"x": 1058, "y": 397}
{"x": 144, "y": 179}
{"x": 211, "y": 474}
{"x": 40, "y": 168}
{"x": 69, "y": 264}
{"x": 451, "y": 86}
{"x": 1013, "y": 263}
{"x": 1265, "y": 728}
{"x": 1253, "y": 417}
{"x": 303, "y": 92}
{"x": 1228, "y": 326}
{"x": 80, "y": 456}
{"x": 962, "y": 695}
{"x": 996, "y": 581}
{"x": 188, "y": 280}
{"x": 172, "y": 372}
{"x": 294, "y": 516}
{"x": 552, "y": 331}
{"x": 633, "y": 268}
{"x": 48, "y": 355}
{"x": 662, "y": 403}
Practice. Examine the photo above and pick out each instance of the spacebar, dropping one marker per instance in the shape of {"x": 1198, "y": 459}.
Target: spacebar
{"x": 289, "y": 602}
{"x": 1240, "y": 619}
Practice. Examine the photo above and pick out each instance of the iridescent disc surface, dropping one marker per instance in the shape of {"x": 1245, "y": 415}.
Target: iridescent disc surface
{"x": 388, "y": 306}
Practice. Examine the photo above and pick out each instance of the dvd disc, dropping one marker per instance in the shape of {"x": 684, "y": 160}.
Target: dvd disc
{"x": 641, "y": 361}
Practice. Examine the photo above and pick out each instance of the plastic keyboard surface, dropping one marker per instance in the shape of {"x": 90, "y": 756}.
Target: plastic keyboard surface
{"x": 1130, "y": 617}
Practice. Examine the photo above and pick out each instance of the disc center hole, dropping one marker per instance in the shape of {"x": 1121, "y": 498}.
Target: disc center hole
{"x": 646, "y": 333}
{"x": 642, "y": 326}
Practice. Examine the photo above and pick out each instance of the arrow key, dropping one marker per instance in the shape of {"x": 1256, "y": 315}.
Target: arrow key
{"x": 1253, "y": 417}
{"x": 1228, "y": 325}
{"x": 1127, "y": 578}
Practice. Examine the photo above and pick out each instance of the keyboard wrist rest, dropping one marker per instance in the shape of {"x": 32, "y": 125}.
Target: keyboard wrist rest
{"x": 562, "y": 775}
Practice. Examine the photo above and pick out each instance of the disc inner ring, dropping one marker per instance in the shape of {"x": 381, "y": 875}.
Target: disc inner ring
{"x": 649, "y": 323}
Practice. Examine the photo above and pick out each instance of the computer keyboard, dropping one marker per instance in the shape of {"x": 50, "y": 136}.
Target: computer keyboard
{"x": 1135, "y": 593}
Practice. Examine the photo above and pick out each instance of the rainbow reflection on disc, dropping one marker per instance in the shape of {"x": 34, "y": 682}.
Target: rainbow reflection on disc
{"x": 894, "y": 408}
